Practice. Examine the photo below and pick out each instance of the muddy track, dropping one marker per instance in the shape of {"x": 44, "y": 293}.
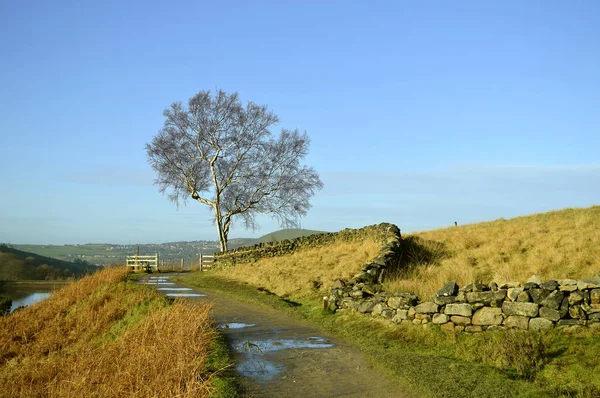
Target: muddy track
{"x": 278, "y": 356}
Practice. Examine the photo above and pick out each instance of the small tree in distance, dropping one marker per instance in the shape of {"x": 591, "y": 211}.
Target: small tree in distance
{"x": 223, "y": 155}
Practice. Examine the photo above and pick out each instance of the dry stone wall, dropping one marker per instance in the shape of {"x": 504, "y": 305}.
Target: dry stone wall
{"x": 387, "y": 234}
{"x": 477, "y": 307}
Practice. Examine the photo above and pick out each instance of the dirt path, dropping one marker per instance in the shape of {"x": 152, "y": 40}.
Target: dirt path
{"x": 278, "y": 356}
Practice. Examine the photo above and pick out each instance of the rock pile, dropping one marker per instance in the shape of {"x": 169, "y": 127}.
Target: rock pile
{"x": 477, "y": 307}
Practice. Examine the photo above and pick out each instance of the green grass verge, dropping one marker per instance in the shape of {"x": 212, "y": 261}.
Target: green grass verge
{"x": 433, "y": 363}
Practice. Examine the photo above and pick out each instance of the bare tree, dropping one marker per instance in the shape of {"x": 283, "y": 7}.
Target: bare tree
{"x": 223, "y": 154}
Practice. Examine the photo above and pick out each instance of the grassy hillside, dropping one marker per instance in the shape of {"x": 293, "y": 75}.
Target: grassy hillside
{"x": 285, "y": 234}
{"x": 309, "y": 272}
{"x": 19, "y": 265}
{"x": 554, "y": 245}
{"x": 101, "y": 337}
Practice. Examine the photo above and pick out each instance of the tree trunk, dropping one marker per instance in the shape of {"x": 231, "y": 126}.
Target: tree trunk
{"x": 222, "y": 233}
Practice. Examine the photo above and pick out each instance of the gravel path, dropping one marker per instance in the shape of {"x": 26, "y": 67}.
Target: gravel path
{"x": 278, "y": 356}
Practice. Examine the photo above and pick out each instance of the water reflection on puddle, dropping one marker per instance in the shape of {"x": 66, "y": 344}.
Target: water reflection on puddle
{"x": 185, "y": 295}
{"x": 174, "y": 288}
{"x": 259, "y": 368}
{"x": 159, "y": 283}
{"x": 236, "y": 325}
{"x": 281, "y": 344}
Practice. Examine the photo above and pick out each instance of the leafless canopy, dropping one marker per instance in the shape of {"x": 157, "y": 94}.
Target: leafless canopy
{"x": 223, "y": 154}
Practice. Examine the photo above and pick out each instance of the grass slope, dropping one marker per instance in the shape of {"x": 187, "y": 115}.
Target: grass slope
{"x": 554, "y": 245}
{"x": 309, "y": 272}
{"x": 19, "y": 265}
{"x": 102, "y": 336}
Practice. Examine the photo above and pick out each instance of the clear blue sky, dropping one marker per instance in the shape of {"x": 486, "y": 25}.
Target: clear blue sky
{"x": 420, "y": 113}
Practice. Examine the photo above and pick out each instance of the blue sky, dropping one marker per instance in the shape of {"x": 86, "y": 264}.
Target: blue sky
{"x": 420, "y": 113}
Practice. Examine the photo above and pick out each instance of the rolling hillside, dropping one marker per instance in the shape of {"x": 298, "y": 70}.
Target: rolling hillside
{"x": 554, "y": 245}
{"x": 18, "y": 265}
{"x": 285, "y": 234}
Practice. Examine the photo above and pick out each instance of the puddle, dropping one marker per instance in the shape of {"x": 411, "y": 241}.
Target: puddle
{"x": 236, "y": 325}
{"x": 158, "y": 283}
{"x": 270, "y": 345}
{"x": 259, "y": 369}
{"x": 185, "y": 295}
{"x": 175, "y": 288}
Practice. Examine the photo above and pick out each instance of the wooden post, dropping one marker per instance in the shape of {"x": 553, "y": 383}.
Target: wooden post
{"x": 182, "y": 263}
{"x": 200, "y": 261}
{"x": 157, "y": 269}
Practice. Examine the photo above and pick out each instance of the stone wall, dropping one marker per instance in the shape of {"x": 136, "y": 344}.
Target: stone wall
{"x": 477, "y": 307}
{"x": 387, "y": 234}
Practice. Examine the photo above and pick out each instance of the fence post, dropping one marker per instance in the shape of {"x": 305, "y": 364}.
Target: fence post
{"x": 157, "y": 268}
{"x": 181, "y": 264}
{"x": 200, "y": 261}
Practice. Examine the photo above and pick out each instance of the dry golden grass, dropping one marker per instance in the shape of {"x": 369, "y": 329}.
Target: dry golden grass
{"x": 101, "y": 337}
{"x": 308, "y": 270}
{"x": 558, "y": 244}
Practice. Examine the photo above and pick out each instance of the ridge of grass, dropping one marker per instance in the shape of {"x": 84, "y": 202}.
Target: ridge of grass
{"x": 104, "y": 336}
{"x": 554, "y": 245}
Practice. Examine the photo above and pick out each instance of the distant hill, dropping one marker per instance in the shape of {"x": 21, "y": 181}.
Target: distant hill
{"x": 18, "y": 265}
{"x": 284, "y": 234}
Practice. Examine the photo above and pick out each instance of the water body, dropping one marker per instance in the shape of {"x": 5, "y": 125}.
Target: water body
{"x": 24, "y": 294}
{"x": 28, "y": 300}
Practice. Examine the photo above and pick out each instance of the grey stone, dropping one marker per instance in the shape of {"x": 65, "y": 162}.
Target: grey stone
{"x": 514, "y": 292}
{"x": 449, "y": 289}
{"x": 339, "y": 284}
{"x": 570, "y": 322}
{"x": 399, "y": 302}
{"x": 516, "y": 322}
{"x": 476, "y": 306}
{"x": 494, "y": 287}
{"x": 460, "y": 320}
{"x": 537, "y": 295}
{"x": 461, "y": 297}
{"x": 530, "y": 285}
{"x": 567, "y": 288}
{"x": 509, "y": 285}
{"x": 427, "y": 308}
{"x": 567, "y": 282}
{"x": 550, "y": 285}
{"x": 594, "y": 317}
{"x": 400, "y": 316}
{"x": 358, "y": 294}
{"x": 540, "y": 323}
{"x": 488, "y": 316}
{"x": 564, "y": 308}
{"x": 458, "y": 309}
{"x": 439, "y": 319}
{"x": 595, "y": 296}
{"x": 473, "y": 329}
{"x": 583, "y": 285}
{"x": 493, "y": 328}
{"x": 524, "y": 309}
{"x": 440, "y": 300}
{"x": 475, "y": 287}
{"x": 535, "y": 279}
{"x": 576, "y": 312}
{"x": 591, "y": 308}
{"x": 366, "y": 307}
{"x": 378, "y": 309}
{"x": 489, "y": 298}
{"x": 387, "y": 313}
{"x": 554, "y": 300}
{"x": 575, "y": 297}
{"x": 549, "y": 313}
{"x": 524, "y": 297}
